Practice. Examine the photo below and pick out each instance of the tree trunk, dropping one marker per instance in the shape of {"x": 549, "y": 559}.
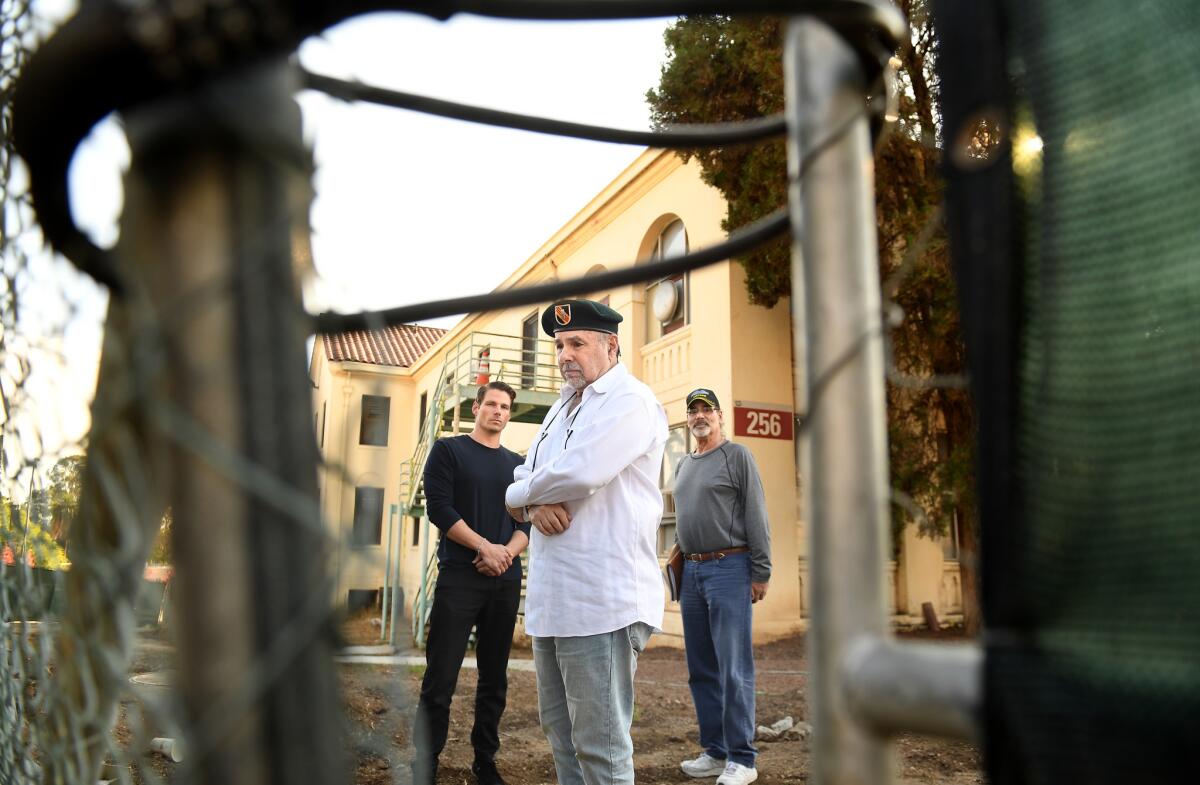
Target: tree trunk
{"x": 968, "y": 569}
{"x": 959, "y": 413}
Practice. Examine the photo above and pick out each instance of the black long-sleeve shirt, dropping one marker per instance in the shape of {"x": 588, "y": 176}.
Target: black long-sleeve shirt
{"x": 465, "y": 480}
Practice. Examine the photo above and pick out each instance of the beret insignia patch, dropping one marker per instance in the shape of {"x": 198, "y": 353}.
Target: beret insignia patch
{"x": 562, "y": 314}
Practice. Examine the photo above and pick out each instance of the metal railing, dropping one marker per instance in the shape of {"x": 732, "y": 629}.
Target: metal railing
{"x": 482, "y": 356}
{"x": 477, "y": 358}
{"x": 411, "y": 469}
{"x": 423, "y": 603}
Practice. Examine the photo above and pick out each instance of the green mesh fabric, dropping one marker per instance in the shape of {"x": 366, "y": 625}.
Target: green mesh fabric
{"x": 1094, "y": 668}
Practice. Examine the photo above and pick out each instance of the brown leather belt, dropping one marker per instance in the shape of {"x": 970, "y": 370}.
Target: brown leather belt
{"x": 721, "y": 554}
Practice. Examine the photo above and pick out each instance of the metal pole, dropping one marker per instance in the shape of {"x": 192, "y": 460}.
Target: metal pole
{"x": 924, "y": 688}
{"x": 396, "y": 595}
{"x": 423, "y": 591}
{"x": 835, "y": 280}
{"x": 387, "y": 574}
{"x": 457, "y": 385}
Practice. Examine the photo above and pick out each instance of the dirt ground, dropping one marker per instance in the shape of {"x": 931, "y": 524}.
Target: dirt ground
{"x": 379, "y": 703}
{"x": 380, "y": 700}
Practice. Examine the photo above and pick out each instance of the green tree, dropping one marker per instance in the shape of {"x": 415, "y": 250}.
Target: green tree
{"x": 38, "y": 506}
{"x": 25, "y": 534}
{"x": 161, "y": 552}
{"x": 66, "y": 483}
{"x": 722, "y": 68}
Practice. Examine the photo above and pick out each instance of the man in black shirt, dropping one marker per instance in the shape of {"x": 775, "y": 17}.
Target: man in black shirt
{"x": 479, "y": 583}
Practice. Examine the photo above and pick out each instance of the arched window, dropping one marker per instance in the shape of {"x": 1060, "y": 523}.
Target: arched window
{"x": 667, "y": 298}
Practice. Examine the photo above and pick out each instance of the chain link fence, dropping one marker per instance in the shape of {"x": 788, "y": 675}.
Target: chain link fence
{"x": 199, "y": 434}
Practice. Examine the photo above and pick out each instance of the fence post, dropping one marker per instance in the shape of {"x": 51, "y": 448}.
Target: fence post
{"x": 216, "y": 202}
{"x": 837, "y": 327}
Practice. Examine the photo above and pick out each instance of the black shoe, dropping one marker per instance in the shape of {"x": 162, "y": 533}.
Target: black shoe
{"x": 485, "y": 772}
{"x": 424, "y": 772}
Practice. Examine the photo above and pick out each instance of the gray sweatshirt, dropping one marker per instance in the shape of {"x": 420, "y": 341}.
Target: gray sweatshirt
{"x": 719, "y": 503}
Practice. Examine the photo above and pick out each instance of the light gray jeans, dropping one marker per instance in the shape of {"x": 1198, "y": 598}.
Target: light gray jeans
{"x": 585, "y": 702}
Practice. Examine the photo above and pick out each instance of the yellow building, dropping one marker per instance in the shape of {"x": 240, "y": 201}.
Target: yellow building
{"x": 381, "y": 397}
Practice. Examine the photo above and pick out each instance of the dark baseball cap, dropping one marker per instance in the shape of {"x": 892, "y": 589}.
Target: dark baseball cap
{"x": 704, "y": 395}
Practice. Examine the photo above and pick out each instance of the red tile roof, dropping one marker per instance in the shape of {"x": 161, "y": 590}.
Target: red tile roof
{"x": 398, "y": 345}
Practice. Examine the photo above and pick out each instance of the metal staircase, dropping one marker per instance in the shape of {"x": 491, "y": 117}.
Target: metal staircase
{"x": 478, "y": 358}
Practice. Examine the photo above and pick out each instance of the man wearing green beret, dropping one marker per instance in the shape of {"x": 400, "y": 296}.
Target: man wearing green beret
{"x": 589, "y": 485}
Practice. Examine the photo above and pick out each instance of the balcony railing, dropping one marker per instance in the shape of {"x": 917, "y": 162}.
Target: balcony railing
{"x": 482, "y": 357}
{"x": 668, "y": 360}
{"x": 479, "y": 358}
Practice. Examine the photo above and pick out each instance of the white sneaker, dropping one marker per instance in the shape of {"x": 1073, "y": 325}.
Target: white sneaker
{"x": 704, "y": 766}
{"x": 737, "y": 774}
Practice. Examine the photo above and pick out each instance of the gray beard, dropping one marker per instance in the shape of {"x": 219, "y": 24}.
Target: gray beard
{"x": 577, "y": 384}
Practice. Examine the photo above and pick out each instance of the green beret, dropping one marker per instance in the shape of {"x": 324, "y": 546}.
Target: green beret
{"x": 580, "y": 315}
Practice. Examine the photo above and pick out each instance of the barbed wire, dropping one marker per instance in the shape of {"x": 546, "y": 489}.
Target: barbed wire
{"x": 669, "y": 137}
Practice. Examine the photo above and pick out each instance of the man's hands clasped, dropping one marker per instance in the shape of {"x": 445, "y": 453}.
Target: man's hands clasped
{"x": 492, "y": 559}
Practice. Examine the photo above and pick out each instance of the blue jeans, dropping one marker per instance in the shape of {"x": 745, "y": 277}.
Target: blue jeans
{"x": 715, "y": 606}
{"x": 585, "y": 702}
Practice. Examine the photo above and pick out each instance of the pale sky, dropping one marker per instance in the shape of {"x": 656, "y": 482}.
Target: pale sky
{"x": 400, "y": 194}
{"x": 408, "y": 207}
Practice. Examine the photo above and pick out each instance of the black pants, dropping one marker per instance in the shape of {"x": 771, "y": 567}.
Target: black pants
{"x": 461, "y": 602}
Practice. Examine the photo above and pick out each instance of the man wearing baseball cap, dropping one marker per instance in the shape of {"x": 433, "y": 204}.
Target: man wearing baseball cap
{"x": 721, "y": 527}
{"x": 589, "y": 485}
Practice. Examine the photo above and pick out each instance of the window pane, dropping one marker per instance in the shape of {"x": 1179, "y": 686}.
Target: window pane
{"x": 358, "y": 599}
{"x": 679, "y": 317}
{"x": 666, "y": 536}
{"x": 676, "y": 448}
{"x": 950, "y": 540}
{"x": 672, "y": 241}
{"x": 375, "y": 412}
{"x": 529, "y": 336}
{"x": 368, "y": 516}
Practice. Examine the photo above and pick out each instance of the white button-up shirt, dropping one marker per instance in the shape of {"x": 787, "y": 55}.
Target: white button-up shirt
{"x": 602, "y": 461}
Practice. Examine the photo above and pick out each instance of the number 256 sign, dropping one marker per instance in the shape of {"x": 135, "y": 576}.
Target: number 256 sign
{"x": 762, "y": 423}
